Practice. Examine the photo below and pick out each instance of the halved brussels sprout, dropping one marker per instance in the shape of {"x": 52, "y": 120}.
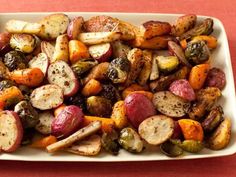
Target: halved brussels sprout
{"x": 110, "y": 142}
{"x": 167, "y": 64}
{"x": 83, "y": 66}
{"x": 170, "y": 149}
{"x": 15, "y": 60}
{"x": 192, "y": 146}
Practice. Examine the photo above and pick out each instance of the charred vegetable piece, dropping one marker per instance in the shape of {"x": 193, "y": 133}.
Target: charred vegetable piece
{"x": 23, "y": 42}
{"x": 155, "y": 70}
{"x": 213, "y": 119}
{"x": 110, "y": 142}
{"x": 118, "y": 70}
{"x": 4, "y": 84}
{"x": 204, "y": 28}
{"x": 197, "y": 52}
{"x": 147, "y": 67}
{"x": 167, "y": 64}
{"x": 192, "y": 146}
{"x": 4, "y": 43}
{"x": 130, "y": 140}
{"x": 215, "y": 78}
{"x": 28, "y": 115}
{"x": 220, "y": 138}
{"x": 169, "y": 104}
{"x": 206, "y": 98}
{"x": 120, "y": 50}
{"x": 110, "y": 92}
{"x": 77, "y": 100}
{"x": 83, "y": 66}
{"x": 99, "y": 106}
{"x": 170, "y": 149}
{"x": 15, "y": 60}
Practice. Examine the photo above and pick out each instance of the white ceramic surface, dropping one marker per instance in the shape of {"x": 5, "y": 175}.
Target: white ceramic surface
{"x": 221, "y": 59}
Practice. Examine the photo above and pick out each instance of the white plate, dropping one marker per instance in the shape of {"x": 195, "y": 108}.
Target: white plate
{"x": 221, "y": 58}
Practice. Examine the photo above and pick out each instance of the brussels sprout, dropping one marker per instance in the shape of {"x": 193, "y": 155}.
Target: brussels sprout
{"x": 118, "y": 70}
{"x": 205, "y": 28}
{"x": 170, "y": 149}
{"x": 110, "y": 92}
{"x": 6, "y": 84}
{"x": 167, "y": 64}
{"x": 130, "y": 140}
{"x": 77, "y": 100}
{"x": 189, "y": 145}
{"x": 23, "y": 42}
{"x": 110, "y": 142}
{"x": 99, "y": 106}
{"x": 83, "y": 66}
{"x": 214, "y": 118}
{"x": 26, "y": 91}
{"x": 197, "y": 52}
{"x": 15, "y": 60}
{"x": 28, "y": 115}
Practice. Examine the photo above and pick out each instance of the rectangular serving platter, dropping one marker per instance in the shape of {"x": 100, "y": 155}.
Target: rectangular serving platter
{"x": 220, "y": 58}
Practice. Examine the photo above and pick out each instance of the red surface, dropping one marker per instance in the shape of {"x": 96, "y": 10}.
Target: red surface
{"x": 225, "y": 166}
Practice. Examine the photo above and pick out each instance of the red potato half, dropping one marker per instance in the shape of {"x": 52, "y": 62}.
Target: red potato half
{"x": 101, "y": 52}
{"x": 61, "y": 74}
{"x": 75, "y": 27}
{"x": 40, "y": 61}
{"x": 11, "y": 131}
{"x": 48, "y": 49}
{"x": 47, "y": 97}
{"x": 67, "y": 121}
{"x": 138, "y": 107}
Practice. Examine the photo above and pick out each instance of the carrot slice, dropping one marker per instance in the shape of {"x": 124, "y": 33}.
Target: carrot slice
{"x": 44, "y": 142}
{"x": 93, "y": 87}
{"x": 10, "y": 96}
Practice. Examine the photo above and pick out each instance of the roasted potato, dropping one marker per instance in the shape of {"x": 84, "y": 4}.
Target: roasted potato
{"x": 23, "y": 42}
{"x": 120, "y": 50}
{"x": 119, "y": 115}
{"x": 61, "y": 49}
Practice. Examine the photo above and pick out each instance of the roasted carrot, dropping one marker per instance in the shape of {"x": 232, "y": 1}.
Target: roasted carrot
{"x": 44, "y": 142}
{"x": 211, "y": 41}
{"x": 198, "y": 75}
{"x": 77, "y": 50}
{"x": 119, "y": 115}
{"x": 31, "y": 77}
{"x": 183, "y": 43}
{"x": 59, "y": 109}
{"x": 10, "y": 96}
{"x": 107, "y": 123}
{"x": 191, "y": 129}
{"x": 132, "y": 88}
{"x": 93, "y": 87}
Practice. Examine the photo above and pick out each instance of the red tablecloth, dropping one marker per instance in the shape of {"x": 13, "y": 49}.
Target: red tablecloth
{"x": 225, "y": 166}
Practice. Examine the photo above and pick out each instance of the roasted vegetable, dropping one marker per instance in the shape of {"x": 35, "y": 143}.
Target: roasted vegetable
{"x": 210, "y": 41}
{"x": 4, "y": 43}
{"x": 215, "y": 78}
{"x": 93, "y": 87}
{"x": 170, "y": 105}
{"x": 45, "y": 122}
{"x": 183, "y": 24}
{"x": 23, "y": 42}
{"x": 132, "y": 88}
{"x": 48, "y": 49}
{"x": 110, "y": 142}
{"x": 83, "y": 66}
{"x": 155, "y": 73}
{"x": 90, "y": 146}
{"x": 101, "y": 52}
{"x": 28, "y": 115}
{"x": 110, "y": 92}
{"x": 11, "y": 131}
{"x": 206, "y": 98}
{"x": 119, "y": 115}
{"x": 130, "y": 140}
{"x": 197, "y": 52}
{"x": 15, "y": 60}
{"x": 191, "y": 129}
{"x": 99, "y": 106}
{"x": 61, "y": 49}
{"x": 167, "y": 64}
{"x": 220, "y": 138}
{"x": 170, "y": 149}
{"x": 147, "y": 68}
{"x": 77, "y": 100}
{"x": 75, "y": 27}
{"x": 156, "y": 129}
{"x": 44, "y": 142}
{"x": 192, "y": 146}
{"x": 204, "y": 28}
{"x": 4, "y": 84}
{"x": 77, "y": 51}
{"x": 40, "y": 61}
{"x": 120, "y": 50}
{"x": 118, "y": 70}
{"x": 213, "y": 119}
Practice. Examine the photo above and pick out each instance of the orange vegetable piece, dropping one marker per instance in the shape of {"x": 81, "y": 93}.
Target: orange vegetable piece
{"x": 132, "y": 88}
{"x": 119, "y": 115}
{"x": 148, "y": 94}
{"x": 211, "y": 41}
{"x": 77, "y": 50}
{"x": 198, "y": 75}
{"x": 59, "y": 109}
{"x": 44, "y": 142}
{"x": 31, "y": 77}
{"x": 93, "y": 87}
{"x": 191, "y": 129}
{"x": 10, "y": 96}
{"x": 107, "y": 123}
{"x": 183, "y": 43}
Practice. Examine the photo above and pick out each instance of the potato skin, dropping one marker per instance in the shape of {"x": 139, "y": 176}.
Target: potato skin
{"x": 67, "y": 121}
{"x": 138, "y": 107}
